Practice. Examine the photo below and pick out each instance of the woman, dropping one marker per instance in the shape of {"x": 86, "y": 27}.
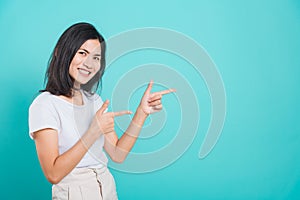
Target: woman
{"x": 70, "y": 124}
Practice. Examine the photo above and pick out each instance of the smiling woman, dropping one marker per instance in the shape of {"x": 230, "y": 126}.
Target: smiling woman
{"x": 70, "y": 124}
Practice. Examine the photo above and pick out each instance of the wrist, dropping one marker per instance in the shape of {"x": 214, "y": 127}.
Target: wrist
{"x": 94, "y": 132}
{"x": 139, "y": 117}
{"x": 141, "y": 112}
{"x": 89, "y": 138}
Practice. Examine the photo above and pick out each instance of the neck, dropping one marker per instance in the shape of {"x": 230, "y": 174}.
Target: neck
{"x": 76, "y": 92}
{"x": 77, "y": 98}
{"x": 76, "y": 86}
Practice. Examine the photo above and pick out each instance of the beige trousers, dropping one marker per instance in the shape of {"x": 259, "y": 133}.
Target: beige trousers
{"x": 86, "y": 184}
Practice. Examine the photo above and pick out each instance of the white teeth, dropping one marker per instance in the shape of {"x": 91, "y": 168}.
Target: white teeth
{"x": 84, "y": 71}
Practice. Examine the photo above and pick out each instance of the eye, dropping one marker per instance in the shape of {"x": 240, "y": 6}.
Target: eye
{"x": 82, "y": 53}
{"x": 97, "y": 58}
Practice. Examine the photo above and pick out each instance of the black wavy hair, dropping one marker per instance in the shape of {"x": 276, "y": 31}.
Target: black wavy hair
{"x": 59, "y": 81}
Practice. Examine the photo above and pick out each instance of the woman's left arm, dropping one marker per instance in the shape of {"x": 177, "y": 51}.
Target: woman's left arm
{"x": 118, "y": 148}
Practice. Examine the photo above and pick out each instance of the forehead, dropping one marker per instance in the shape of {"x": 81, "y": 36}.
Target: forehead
{"x": 92, "y": 45}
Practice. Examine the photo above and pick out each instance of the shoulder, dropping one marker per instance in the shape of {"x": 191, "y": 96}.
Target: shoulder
{"x": 44, "y": 98}
{"x": 95, "y": 101}
{"x": 93, "y": 97}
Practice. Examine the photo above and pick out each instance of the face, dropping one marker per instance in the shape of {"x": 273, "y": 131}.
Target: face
{"x": 86, "y": 62}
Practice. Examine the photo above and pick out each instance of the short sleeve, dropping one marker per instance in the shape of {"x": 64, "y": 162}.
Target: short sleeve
{"x": 42, "y": 116}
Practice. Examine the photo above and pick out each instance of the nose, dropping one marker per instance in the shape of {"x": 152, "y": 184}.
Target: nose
{"x": 87, "y": 63}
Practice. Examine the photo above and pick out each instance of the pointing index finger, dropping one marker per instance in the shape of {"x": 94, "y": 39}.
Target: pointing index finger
{"x": 166, "y": 91}
{"x": 120, "y": 113}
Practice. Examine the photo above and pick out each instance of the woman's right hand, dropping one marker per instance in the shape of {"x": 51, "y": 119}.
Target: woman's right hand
{"x": 103, "y": 123}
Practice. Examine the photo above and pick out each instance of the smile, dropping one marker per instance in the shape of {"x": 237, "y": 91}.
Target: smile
{"x": 84, "y": 72}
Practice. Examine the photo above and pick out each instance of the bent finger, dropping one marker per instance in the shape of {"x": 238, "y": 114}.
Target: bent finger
{"x": 155, "y": 97}
{"x": 158, "y": 107}
{"x": 155, "y": 103}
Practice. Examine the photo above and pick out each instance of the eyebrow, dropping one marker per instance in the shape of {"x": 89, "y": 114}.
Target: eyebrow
{"x": 89, "y": 52}
{"x": 85, "y": 50}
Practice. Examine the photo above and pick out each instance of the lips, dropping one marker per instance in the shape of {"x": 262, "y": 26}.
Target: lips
{"x": 84, "y": 71}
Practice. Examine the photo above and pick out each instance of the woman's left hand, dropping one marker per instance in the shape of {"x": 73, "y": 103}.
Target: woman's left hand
{"x": 151, "y": 102}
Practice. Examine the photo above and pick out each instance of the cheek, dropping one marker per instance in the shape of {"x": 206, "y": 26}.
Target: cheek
{"x": 97, "y": 69}
{"x": 72, "y": 67}
{"x": 74, "y": 64}
{"x": 76, "y": 60}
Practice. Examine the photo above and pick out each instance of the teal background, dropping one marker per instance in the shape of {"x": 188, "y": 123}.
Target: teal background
{"x": 256, "y": 46}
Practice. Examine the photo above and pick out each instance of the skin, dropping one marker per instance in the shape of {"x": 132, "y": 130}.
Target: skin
{"x": 55, "y": 166}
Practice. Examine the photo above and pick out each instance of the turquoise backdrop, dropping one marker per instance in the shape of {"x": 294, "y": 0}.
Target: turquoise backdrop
{"x": 256, "y": 47}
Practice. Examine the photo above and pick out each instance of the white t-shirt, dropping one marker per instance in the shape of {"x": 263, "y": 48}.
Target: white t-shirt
{"x": 71, "y": 122}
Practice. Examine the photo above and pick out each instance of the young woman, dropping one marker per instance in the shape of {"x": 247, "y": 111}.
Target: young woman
{"x": 70, "y": 124}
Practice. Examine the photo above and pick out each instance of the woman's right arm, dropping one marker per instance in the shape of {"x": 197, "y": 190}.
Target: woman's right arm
{"x": 55, "y": 166}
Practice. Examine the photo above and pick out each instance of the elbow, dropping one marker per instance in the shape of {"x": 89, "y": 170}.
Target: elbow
{"x": 118, "y": 159}
{"x": 53, "y": 179}
{"x": 119, "y": 155}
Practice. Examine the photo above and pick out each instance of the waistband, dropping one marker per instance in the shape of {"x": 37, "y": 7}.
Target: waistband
{"x": 83, "y": 175}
